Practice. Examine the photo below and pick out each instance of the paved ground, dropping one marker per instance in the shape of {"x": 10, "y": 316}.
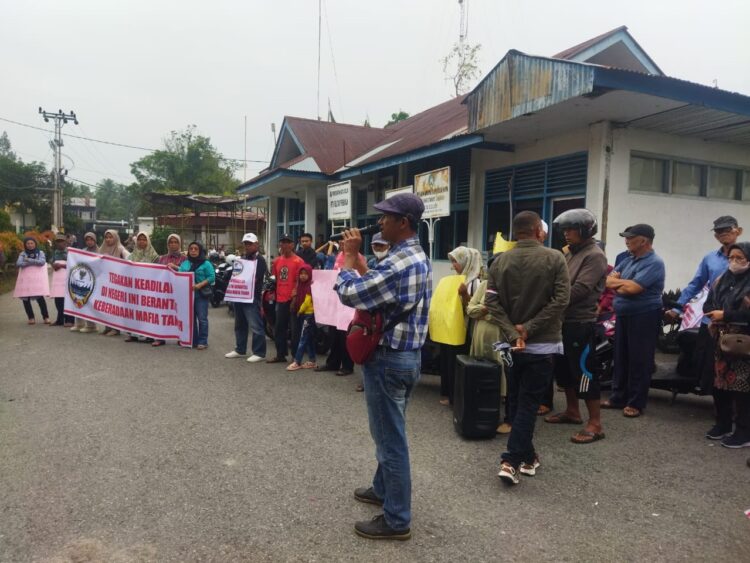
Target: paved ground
{"x": 119, "y": 452}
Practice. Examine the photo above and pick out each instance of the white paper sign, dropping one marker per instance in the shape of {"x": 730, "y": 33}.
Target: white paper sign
{"x": 241, "y": 288}
{"x": 340, "y": 201}
{"x": 146, "y": 299}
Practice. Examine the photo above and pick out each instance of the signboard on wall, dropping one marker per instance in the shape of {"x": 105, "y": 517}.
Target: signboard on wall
{"x": 340, "y": 201}
{"x": 434, "y": 188}
{"x": 394, "y": 191}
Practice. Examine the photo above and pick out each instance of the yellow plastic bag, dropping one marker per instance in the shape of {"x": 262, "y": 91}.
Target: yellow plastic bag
{"x": 446, "y": 315}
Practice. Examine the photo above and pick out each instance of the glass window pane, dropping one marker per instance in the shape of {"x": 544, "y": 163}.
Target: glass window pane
{"x": 687, "y": 178}
{"x": 746, "y": 187}
{"x": 722, "y": 183}
{"x": 646, "y": 174}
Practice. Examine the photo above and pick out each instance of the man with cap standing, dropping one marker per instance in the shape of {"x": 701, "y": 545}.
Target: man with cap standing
{"x": 638, "y": 282}
{"x": 285, "y": 268}
{"x": 726, "y": 231}
{"x": 247, "y": 316}
{"x": 400, "y": 287}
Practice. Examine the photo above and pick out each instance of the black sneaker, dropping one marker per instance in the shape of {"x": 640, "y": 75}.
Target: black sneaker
{"x": 378, "y": 529}
{"x": 718, "y": 432}
{"x": 367, "y": 494}
{"x": 734, "y": 441}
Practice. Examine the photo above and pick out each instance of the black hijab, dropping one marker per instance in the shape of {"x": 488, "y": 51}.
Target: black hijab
{"x": 31, "y": 253}
{"x": 198, "y": 260}
{"x": 731, "y": 288}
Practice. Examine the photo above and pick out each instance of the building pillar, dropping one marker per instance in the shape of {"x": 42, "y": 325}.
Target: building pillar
{"x": 311, "y": 211}
{"x": 272, "y": 242}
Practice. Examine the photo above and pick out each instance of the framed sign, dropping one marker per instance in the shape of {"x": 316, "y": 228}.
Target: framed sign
{"x": 340, "y": 201}
{"x": 394, "y": 191}
{"x": 434, "y": 188}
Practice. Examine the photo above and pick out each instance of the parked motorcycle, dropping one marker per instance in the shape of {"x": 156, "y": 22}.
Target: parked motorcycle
{"x": 223, "y": 273}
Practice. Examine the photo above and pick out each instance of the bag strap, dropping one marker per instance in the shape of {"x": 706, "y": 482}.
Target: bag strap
{"x": 402, "y": 316}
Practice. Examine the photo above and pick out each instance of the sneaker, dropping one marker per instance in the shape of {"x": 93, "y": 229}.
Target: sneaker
{"x": 504, "y": 428}
{"x": 255, "y": 359}
{"x": 508, "y": 473}
{"x": 530, "y": 468}
{"x": 86, "y": 330}
{"x": 735, "y": 442}
{"x": 718, "y": 432}
{"x": 234, "y": 354}
{"x": 367, "y": 494}
{"x": 378, "y": 529}
{"x": 75, "y": 329}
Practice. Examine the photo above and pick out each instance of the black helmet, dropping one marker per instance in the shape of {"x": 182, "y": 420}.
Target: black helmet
{"x": 581, "y": 219}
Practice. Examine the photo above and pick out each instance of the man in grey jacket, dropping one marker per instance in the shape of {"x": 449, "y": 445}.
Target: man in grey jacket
{"x": 527, "y": 292}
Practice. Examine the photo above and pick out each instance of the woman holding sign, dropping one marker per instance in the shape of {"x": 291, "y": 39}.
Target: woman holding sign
{"x": 32, "y": 257}
{"x": 172, "y": 260}
{"x": 204, "y": 278}
{"x": 144, "y": 253}
{"x": 111, "y": 246}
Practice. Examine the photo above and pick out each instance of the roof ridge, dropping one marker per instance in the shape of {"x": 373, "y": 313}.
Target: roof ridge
{"x": 310, "y": 120}
{"x": 575, "y": 49}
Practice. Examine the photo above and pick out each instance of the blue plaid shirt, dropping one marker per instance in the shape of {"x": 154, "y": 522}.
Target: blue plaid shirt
{"x": 399, "y": 281}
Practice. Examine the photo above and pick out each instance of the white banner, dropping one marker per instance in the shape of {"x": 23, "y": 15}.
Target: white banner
{"x": 434, "y": 188}
{"x": 241, "y": 288}
{"x": 146, "y": 299}
{"x": 340, "y": 201}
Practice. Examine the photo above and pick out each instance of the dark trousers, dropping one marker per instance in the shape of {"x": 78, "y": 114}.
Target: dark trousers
{"x": 635, "y": 345}
{"x": 705, "y": 351}
{"x": 281, "y": 328}
{"x": 62, "y": 318}
{"x": 338, "y": 357}
{"x": 530, "y": 375}
{"x": 30, "y": 312}
{"x": 733, "y": 405}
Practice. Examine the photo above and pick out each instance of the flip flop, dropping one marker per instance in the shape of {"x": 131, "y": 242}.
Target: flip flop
{"x": 631, "y": 412}
{"x": 562, "y": 418}
{"x": 586, "y": 437}
{"x": 542, "y": 410}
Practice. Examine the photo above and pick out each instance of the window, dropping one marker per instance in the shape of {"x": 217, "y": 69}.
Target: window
{"x": 688, "y": 179}
{"x": 722, "y": 183}
{"x": 647, "y": 174}
{"x": 746, "y": 187}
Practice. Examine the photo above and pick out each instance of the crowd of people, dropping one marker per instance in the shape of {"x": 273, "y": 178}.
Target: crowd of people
{"x": 546, "y": 304}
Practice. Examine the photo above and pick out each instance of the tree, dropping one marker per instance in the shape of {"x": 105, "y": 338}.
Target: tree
{"x": 461, "y": 66}
{"x": 396, "y": 117}
{"x": 188, "y": 163}
{"x": 113, "y": 201}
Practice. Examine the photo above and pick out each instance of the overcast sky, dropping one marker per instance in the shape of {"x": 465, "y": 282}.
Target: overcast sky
{"x": 135, "y": 70}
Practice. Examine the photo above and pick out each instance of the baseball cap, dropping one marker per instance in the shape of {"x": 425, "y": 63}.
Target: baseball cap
{"x": 286, "y": 236}
{"x": 639, "y": 230}
{"x": 250, "y": 237}
{"x": 407, "y": 205}
{"x": 724, "y": 221}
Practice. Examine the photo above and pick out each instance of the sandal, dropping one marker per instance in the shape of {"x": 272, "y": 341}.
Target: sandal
{"x": 32, "y": 322}
{"x": 542, "y": 410}
{"x": 562, "y": 418}
{"x": 294, "y": 366}
{"x": 586, "y": 437}
{"x": 47, "y": 322}
{"x": 631, "y": 412}
{"x": 359, "y": 388}
{"x": 309, "y": 365}
{"x": 276, "y": 360}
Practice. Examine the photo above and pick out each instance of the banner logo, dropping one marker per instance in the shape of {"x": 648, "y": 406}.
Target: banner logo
{"x": 237, "y": 268}
{"x": 81, "y": 284}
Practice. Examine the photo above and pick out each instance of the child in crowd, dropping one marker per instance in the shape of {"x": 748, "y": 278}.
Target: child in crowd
{"x": 32, "y": 257}
{"x": 302, "y": 304}
{"x": 59, "y": 262}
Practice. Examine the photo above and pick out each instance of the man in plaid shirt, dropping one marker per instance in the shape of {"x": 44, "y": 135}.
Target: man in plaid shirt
{"x": 401, "y": 286}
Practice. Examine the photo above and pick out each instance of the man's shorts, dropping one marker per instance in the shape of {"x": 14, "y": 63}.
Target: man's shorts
{"x": 577, "y": 368}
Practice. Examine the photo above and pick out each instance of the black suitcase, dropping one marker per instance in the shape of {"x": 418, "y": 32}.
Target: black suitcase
{"x": 476, "y": 397}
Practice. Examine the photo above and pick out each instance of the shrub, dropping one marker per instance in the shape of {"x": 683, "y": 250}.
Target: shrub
{"x": 11, "y": 245}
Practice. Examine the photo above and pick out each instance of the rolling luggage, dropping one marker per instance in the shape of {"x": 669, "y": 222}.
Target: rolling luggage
{"x": 476, "y": 397}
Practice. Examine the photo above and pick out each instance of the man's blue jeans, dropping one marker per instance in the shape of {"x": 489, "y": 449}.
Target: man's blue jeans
{"x": 247, "y": 319}
{"x": 200, "y": 315}
{"x": 528, "y": 378}
{"x": 390, "y": 378}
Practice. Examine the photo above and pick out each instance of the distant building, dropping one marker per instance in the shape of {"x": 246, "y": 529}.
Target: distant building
{"x": 82, "y": 207}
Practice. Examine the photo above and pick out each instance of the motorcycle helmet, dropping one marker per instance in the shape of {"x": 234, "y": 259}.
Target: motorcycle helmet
{"x": 581, "y": 219}
{"x": 230, "y": 259}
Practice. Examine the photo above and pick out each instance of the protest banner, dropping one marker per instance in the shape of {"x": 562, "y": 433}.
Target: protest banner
{"x": 59, "y": 285}
{"x": 241, "y": 288}
{"x": 146, "y": 299}
{"x": 33, "y": 281}
{"x": 445, "y": 319}
{"x": 328, "y": 309}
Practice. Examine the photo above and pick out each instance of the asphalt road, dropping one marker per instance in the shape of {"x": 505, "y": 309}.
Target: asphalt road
{"x": 112, "y": 451}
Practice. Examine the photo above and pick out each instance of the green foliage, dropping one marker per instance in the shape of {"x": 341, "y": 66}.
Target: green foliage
{"x": 5, "y": 224}
{"x": 461, "y": 66}
{"x": 115, "y": 202}
{"x": 159, "y": 239}
{"x": 396, "y": 117}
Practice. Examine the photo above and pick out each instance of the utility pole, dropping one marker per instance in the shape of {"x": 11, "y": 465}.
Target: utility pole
{"x": 60, "y": 118}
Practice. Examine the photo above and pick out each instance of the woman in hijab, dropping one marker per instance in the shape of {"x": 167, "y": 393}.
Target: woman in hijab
{"x": 172, "y": 260}
{"x": 467, "y": 262}
{"x": 111, "y": 245}
{"x": 32, "y": 257}
{"x": 728, "y": 307}
{"x": 82, "y": 325}
{"x": 143, "y": 251}
{"x": 204, "y": 277}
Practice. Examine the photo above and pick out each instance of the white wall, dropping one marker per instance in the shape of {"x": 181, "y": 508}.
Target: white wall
{"x": 682, "y": 223}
